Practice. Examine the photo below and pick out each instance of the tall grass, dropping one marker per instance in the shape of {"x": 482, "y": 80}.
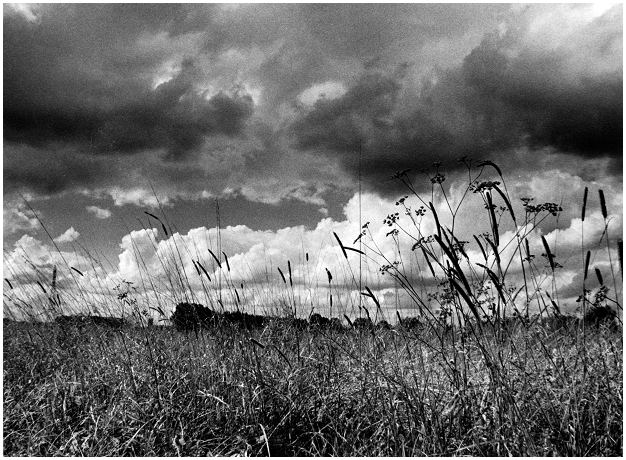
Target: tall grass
{"x": 485, "y": 363}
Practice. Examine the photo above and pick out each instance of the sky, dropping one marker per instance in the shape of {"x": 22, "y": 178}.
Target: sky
{"x": 280, "y": 114}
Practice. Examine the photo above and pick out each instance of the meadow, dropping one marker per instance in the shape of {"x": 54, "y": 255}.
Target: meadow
{"x": 473, "y": 371}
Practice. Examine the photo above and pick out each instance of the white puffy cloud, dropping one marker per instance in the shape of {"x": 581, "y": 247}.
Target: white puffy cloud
{"x": 137, "y": 196}
{"x": 17, "y": 218}
{"x": 68, "y": 236}
{"x": 30, "y": 253}
{"x": 166, "y": 269}
{"x": 100, "y": 213}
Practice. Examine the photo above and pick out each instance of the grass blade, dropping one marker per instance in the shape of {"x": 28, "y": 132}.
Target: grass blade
{"x": 550, "y": 256}
{"x": 226, "y": 260}
{"x": 482, "y": 249}
{"x": 370, "y": 294}
{"x": 494, "y": 280}
{"x": 507, "y": 202}
{"x": 466, "y": 297}
{"x": 282, "y": 275}
{"x": 494, "y": 222}
{"x": 603, "y": 204}
{"x": 428, "y": 262}
{"x": 492, "y": 164}
{"x": 152, "y": 215}
{"x": 599, "y": 276}
{"x": 432, "y": 208}
{"x": 289, "y": 268}
{"x": 557, "y": 310}
{"x": 343, "y": 248}
{"x": 219, "y": 264}
{"x": 204, "y": 270}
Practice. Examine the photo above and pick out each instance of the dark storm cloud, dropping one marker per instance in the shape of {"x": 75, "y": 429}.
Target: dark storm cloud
{"x": 535, "y": 97}
{"x": 103, "y": 104}
{"x": 425, "y": 83}
{"x": 28, "y": 169}
{"x": 494, "y": 101}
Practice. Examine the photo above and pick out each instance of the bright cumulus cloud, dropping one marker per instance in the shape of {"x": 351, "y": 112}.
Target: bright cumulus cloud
{"x": 68, "y": 236}
{"x": 16, "y": 218}
{"x": 261, "y": 270}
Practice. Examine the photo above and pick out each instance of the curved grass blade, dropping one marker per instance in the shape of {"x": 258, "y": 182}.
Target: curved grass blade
{"x": 354, "y": 250}
{"x": 219, "y": 264}
{"x": 371, "y": 295}
{"x": 204, "y": 270}
{"x": 282, "y": 275}
{"x": 492, "y": 164}
{"x": 507, "y": 202}
{"x": 466, "y": 297}
{"x": 494, "y": 280}
{"x": 482, "y": 249}
{"x": 432, "y": 208}
{"x": 343, "y": 248}
{"x": 226, "y": 260}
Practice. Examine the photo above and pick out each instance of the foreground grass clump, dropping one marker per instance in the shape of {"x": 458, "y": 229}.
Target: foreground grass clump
{"x": 284, "y": 391}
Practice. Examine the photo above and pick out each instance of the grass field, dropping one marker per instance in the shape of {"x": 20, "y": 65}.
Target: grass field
{"x": 477, "y": 373}
{"x": 286, "y": 391}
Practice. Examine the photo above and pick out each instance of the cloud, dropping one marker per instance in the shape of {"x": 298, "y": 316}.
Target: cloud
{"x": 15, "y": 218}
{"x": 178, "y": 82}
{"x": 100, "y": 213}
{"x": 30, "y": 257}
{"x": 175, "y": 117}
{"x": 68, "y": 236}
{"x": 137, "y": 196}
{"x": 511, "y": 91}
{"x": 167, "y": 266}
{"x": 326, "y": 90}
{"x": 192, "y": 98}
{"x": 27, "y": 11}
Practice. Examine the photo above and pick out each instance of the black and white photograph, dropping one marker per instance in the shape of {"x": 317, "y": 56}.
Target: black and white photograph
{"x": 312, "y": 229}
